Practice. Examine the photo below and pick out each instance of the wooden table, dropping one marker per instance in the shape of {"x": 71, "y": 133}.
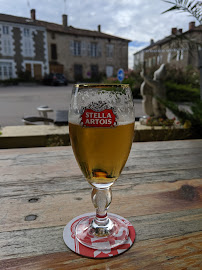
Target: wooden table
{"x": 159, "y": 192}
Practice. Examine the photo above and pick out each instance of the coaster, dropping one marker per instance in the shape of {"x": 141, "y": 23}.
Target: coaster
{"x": 72, "y": 243}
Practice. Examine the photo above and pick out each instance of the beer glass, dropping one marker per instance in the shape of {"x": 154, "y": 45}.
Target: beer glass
{"x": 101, "y": 128}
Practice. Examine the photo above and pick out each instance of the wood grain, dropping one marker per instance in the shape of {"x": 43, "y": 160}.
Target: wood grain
{"x": 180, "y": 253}
{"x": 56, "y": 209}
{"x": 159, "y": 191}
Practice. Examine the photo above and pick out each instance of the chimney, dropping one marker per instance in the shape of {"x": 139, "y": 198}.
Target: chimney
{"x": 99, "y": 28}
{"x": 151, "y": 41}
{"x": 173, "y": 31}
{"x": 33, "y": 14}
{"x": 64, "y": 20}
{"x": 191, "y": 25}
{"x": 180, "y": 31}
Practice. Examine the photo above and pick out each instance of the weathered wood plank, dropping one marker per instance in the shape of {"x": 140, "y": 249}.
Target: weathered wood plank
{"x": 44, "y": 184}
{"x": 170, "y": 253}
{"x": 61, "y": 163}
{"x": 32, "y": 242}
{"x": 49, "y": 157}
{"x": 56, "y": 209}
{"x": 149, "y": 146}
{"x": 159, "y": 191}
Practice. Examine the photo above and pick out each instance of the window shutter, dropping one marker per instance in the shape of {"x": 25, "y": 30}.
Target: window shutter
{"x": 99, "y": 50}
{"x": 83, "y": 48}
{"x": 71, "y": 47}
{"x": 89, "y": 49}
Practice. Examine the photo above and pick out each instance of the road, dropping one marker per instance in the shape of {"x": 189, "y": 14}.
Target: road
{"x": 17, "y": 102}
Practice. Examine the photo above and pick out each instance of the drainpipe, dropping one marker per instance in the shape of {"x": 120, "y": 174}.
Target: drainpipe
{"x": 200, "y": 69}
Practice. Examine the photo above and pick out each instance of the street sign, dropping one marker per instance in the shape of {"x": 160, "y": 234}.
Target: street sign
{"x": 120, "y": 75}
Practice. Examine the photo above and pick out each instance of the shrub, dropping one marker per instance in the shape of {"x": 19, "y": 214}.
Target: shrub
{"x": 186, "y": 76}
{"x": 180, "y": 92}
{"x": 192, "y": 120}
{"x": 12, "y": 81}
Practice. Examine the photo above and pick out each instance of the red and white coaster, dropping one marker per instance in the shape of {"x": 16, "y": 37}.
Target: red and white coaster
{"x": 72, "y": 243}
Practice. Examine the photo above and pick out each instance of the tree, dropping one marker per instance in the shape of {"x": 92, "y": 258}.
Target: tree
{"x": 192, "y": 7}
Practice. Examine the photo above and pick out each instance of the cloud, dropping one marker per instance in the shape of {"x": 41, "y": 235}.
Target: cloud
{"x": 136, "y": 20}
{"x": 137, "y": 43}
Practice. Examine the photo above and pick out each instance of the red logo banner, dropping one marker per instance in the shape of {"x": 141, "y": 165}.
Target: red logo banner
{"x": 94, "y": 116}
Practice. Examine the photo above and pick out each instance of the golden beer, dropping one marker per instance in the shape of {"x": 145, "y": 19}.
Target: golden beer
{"x": 101, "y": 152}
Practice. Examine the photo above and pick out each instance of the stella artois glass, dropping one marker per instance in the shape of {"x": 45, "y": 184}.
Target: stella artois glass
{"x": 101, "y": 127}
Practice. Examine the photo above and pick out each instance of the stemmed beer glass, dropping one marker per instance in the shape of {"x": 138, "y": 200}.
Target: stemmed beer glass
{"x": 101, "y": 128}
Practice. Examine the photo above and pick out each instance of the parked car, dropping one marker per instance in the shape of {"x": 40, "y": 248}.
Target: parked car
{"x": 55, "y": 79}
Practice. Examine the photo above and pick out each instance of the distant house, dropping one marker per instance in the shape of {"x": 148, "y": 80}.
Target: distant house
{"x": 77, "y": 53}
{"x": 178, "y": 49}
{"x": 23, "y": 47}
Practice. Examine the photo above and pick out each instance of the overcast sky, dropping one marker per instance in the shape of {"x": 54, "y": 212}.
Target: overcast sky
{"x": 137, "y": 20}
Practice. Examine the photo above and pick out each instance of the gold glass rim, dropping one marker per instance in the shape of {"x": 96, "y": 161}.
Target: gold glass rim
{"x": 97, "y": 85}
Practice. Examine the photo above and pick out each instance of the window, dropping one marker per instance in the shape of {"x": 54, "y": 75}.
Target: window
{"x": 93, "y": 49}
{"x": 5, "y": 30}
{"x": 53, "y": 51}
{"x": 179, "y": 55}
{"x": 153, "y": 61}
{"x": 7, "y": 50}
{"x": 77, "y": 48}
{"x": 27, "y": 48}
{"x": 109, "y": 71}
{"x": 110, "y": 50}
{"x": 7, "y": 41}
{"x": 26, "y": 32}
{"x": 6, "y": 71}
{"x": 169, "y": 57}
{"x": 149, "y": 62}
{"x": 158, "y": 59}
{"x": 28, "y": 43}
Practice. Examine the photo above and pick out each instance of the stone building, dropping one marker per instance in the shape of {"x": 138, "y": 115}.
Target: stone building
{"x": 77, "y": 53}
{"x": 178, "y": 49}
{"x": 23, "y": 47}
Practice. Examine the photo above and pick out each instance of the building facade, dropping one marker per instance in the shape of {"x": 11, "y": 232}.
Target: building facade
{"x": 178, "y": 50}
{"x": 78, "y": 53}
{"x": 23, "y": 47}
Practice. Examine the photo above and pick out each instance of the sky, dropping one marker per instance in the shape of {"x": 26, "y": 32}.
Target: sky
{"x": 136, "y": 20}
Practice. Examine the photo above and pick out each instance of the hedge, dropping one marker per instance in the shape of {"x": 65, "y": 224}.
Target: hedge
{"x": 180, "y": 92}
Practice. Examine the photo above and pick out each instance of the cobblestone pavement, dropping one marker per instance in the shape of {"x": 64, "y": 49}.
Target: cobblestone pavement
{"x": 19, "y": 101}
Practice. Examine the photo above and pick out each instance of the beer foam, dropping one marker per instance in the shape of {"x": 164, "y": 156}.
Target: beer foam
{"x": 121, "y": 102}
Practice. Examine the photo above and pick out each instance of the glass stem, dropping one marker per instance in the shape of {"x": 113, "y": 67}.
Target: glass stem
{"x": 101, "y": 199}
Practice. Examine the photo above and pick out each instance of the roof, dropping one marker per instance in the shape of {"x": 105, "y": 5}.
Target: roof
{"x": 169, "y": 38}
{"x": 57, "y": 27}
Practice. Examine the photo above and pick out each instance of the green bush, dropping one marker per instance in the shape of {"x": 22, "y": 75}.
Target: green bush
{"x": 11, "y": 81}
{"x": 188, "y": 76}
{"x": 191, "y": 120}
{"x": 180, "y": 92}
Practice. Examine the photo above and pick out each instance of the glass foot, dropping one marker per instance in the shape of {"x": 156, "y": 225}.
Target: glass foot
{"x": 113, "y": 233}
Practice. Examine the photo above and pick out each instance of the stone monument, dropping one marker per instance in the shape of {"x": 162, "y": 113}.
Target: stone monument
{"x": 151, "y": 90}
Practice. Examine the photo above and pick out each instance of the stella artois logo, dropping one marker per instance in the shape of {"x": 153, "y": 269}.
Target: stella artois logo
{"x": 98, "y": 114}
